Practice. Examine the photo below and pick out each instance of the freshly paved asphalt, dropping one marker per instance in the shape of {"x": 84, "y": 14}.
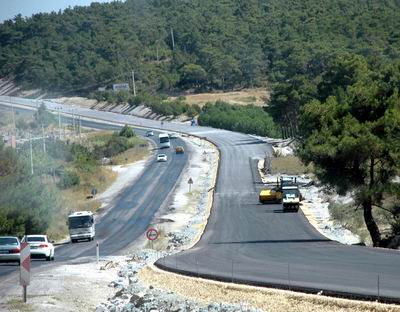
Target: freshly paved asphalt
{"x": 258, "y": 244}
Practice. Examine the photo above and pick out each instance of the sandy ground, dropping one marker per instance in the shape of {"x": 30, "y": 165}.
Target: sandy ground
{"x": 257, "y": 96}
{"x": 78, "y": 287}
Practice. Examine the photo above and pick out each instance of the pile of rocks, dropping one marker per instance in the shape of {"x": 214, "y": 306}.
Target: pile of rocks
{"x": 132, "y": 295}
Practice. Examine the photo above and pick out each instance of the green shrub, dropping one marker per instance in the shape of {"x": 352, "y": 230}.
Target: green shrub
{"x": 68, "y": 180}
{"x": 247, "y": 119}
{"x": 127, "y": 132}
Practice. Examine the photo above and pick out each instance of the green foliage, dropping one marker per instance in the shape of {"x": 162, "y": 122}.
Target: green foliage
{"x": 193, "y": 75}
{"x": 112, "y": 145}
{"x": 68, "y": 180}
{"x": 42, "y": 117}
{"x": 352, "y": 134}
{"x": 27, "y": 204}
{"x": 127, "y": 132}
{"x": 218, "y": 44}
{"x": 248, "y": 119}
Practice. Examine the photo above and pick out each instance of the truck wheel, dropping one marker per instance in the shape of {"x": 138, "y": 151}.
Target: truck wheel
{"x": 48, "y": 258}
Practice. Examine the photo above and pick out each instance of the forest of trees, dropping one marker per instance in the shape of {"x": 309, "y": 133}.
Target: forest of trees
{"x": 332, "y": 68}
{"x": 217, "y": 44}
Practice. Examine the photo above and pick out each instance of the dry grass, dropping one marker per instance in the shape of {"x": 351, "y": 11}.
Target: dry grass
{"x": 139, "y": 152}
{"x": 256, "y": 96}
{"x": 265, "y": 299}
{"x": 17, "y": 304}
{"x": 289, "y": 165}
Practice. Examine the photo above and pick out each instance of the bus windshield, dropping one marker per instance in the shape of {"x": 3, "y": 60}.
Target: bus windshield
{"x": 80, "y": 222}
{"x": 164, "y": 139}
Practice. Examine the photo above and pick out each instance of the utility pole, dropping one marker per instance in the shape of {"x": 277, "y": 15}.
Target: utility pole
{"x": 172, "y": 39}
{"x": 133, "y": 83}
{"x": 59, "y": 125}
{"x": 79, "y": 127}
{"x": 30, "y": 146}
{"x": 44, "y": 140}
{"x": 73, "y": 121}
{"x": 13, "y": 116}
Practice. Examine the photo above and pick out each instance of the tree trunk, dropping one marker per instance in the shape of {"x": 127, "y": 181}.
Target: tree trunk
{"x": 370, "y": 223}
{"x": 367, "y": 206}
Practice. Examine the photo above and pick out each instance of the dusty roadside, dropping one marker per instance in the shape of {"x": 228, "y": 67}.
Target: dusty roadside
{"x": 69, "y": 287}
{"x": 73, "y": 286}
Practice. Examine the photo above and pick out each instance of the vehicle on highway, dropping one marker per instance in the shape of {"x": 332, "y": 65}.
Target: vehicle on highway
{"x": 10, "y": 248}
{"x": 274, "y": 194}
{"x": 291, "y": 198}
{"x": 161, "y": 157}
{"x": 81, "y": 226}
{"x": 179, "y": 149}
{"x": 40, "y": 246}
{"x": 172, "y": 135}
{"x": 164, "y": 140}
{"x": 149, "y": 133}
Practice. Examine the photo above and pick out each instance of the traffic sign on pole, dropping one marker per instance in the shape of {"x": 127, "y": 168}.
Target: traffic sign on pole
{"x": 152, "y": 234}
{"x": 25, "y": 267}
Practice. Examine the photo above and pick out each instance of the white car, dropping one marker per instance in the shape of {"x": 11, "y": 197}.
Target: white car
{"x": 149, "y": 133}
{"x": 40, "y": 246}
{"x": 161, "y": 157}
{"x": 10, "y": 248}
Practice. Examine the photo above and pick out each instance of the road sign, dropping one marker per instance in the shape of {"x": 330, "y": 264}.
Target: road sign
{"x": 25, "y": 267}
{"x": 120, "y": 86}
{"x": 190, "y": 182}
{"x": 152, "y": 234}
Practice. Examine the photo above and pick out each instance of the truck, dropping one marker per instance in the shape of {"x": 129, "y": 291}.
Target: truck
{"x": 81, "y": 225}
{"x": 291, "y": 198}
{"x": 286, "y": 192}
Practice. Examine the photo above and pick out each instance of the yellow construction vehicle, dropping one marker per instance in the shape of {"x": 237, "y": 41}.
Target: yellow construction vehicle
{"x": 274, "y": 193}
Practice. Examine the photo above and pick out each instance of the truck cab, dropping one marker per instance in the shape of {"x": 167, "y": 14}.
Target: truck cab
{"x": 291, "y": 198}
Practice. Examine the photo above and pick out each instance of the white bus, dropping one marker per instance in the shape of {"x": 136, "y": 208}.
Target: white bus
{"x": 164, "y": 140}
{"x": 81, "y": 226}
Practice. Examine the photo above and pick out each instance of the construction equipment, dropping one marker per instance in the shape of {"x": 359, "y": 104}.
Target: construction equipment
{"x": 291, "y": 198}
{"x": 270, "y": 196}
{"x": 285, "y": 191}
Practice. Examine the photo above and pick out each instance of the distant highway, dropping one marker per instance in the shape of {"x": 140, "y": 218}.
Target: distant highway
{"x": 131, "y": 212}
{"x": 258, "y": 244}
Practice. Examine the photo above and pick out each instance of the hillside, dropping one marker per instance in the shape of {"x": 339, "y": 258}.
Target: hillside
{"x": 219, "y": 45}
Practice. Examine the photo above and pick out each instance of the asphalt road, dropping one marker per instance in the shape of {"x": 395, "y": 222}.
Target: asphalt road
{"x": 130, "y": 213}
{"x": 258, "y": 244}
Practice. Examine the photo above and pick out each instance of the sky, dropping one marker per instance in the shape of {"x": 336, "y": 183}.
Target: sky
{"x": 10, "y": 8}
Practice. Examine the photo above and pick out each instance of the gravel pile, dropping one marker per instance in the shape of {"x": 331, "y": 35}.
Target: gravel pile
{"x": 132, "y": 295}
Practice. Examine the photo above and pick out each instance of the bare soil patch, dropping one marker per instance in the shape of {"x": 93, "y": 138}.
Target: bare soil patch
{"x": 256, "y": 97}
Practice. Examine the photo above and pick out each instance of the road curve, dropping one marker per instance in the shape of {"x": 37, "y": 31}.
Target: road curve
{"x": 129, "y": 215}
{"x": 258, "y": 244}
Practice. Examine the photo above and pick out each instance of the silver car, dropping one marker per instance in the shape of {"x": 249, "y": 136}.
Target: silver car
{"x": 10, "y": 248}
